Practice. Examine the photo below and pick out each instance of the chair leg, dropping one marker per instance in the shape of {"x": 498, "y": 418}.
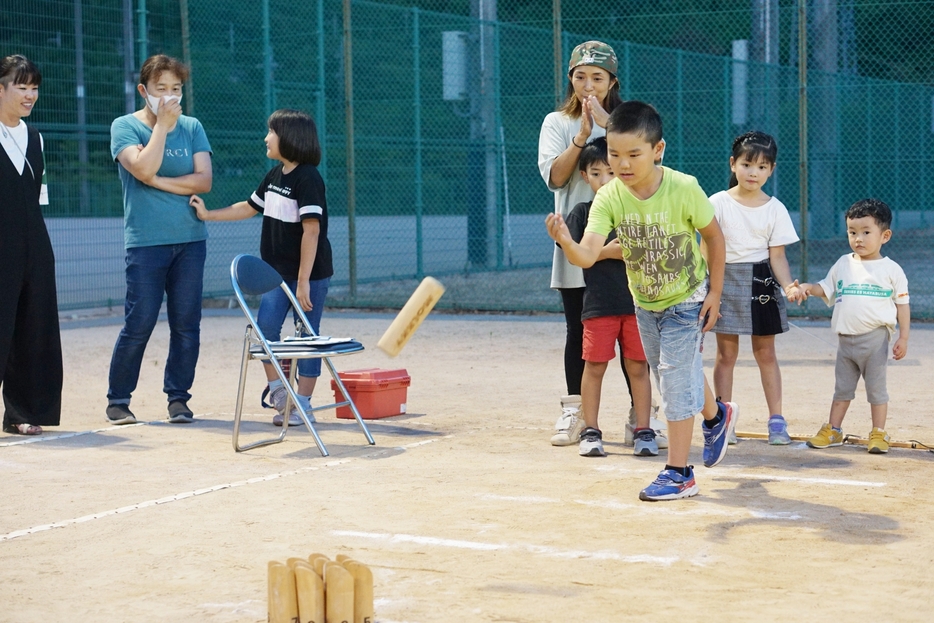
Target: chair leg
{"x": 346, "y": 395}
{"x": 238, "y": 410}
{"x": 293, "y": 398}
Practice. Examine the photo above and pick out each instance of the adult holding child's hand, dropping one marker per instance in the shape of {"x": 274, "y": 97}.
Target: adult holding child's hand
{"x": 592, "y": 93}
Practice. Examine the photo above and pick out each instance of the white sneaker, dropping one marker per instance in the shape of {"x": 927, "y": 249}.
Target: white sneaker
{"x": 279, "y": 397}
{"x": 569, "y": 426}
{"x": 654, "y": 423}
{"x": 591, "y": 443}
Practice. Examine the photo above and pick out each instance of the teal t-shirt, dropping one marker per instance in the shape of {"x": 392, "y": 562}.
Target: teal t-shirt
{"x": 657, "y": 236}
{"x": 151, "y": 216}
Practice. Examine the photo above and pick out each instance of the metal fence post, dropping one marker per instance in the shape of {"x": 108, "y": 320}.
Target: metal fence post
{"x": 680, "y": 124}
{"x": 320, "y": 104}
{"x": 416, "y": 71}
{"x": 556, "y": 41}
{"x": 141, "y": 26}
{"x": 803, "y": 132}
{"x": 351, "y": 164}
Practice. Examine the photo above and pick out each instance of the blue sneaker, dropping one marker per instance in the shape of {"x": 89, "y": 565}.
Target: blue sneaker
{"x": 778, "y": 431}
{"x": 670, "y": 485}
{"x": 715, "y": 439}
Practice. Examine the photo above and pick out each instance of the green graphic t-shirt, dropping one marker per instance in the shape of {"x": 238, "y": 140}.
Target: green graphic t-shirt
{"x": 657, "y": 236}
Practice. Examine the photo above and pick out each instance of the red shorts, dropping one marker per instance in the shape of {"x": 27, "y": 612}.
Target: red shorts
{"x": 601, "y": 335}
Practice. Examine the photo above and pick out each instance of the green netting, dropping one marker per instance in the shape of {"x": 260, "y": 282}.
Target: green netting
{"x": 447, "y": 184}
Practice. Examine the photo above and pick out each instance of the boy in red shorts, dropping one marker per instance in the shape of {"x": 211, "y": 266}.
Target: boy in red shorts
{"x": 609, "y": 318}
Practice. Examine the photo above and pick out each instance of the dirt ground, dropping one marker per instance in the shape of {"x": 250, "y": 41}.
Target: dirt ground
{"x": 463, "y": 509}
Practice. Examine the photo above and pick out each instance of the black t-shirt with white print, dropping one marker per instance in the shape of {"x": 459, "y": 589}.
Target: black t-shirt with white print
{"x": 285, "y": 200}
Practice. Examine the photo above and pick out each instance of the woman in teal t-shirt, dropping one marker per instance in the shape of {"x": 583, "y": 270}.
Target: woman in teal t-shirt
{"x": 163, "y": 158}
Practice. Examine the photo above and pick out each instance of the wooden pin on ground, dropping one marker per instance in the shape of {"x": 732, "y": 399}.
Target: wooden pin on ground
{"x": 363, "y": 609}
{"x": 418, "y": 306}
{"x": 338, "y": 593}
{"x": 309, "y": 588}
{"x": 283, "y": 607}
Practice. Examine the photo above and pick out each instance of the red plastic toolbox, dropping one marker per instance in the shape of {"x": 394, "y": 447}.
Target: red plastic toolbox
{"x": 377, "y": 393}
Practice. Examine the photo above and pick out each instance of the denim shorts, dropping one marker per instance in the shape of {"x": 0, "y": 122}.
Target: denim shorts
{"x": 672, "y": 340}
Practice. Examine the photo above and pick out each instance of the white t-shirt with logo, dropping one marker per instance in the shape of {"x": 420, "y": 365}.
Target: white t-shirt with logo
{"x": 749, "y": 232}
{"x": 864, "y": 293}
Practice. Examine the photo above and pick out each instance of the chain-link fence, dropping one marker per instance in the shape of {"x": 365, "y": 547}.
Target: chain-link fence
{"x": 447, "y": 99}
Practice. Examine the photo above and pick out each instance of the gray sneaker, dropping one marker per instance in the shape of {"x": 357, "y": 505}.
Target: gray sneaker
{"x": 778, "y": 431}
{"x": 118, "y": 414}
{"x": 179, "y": 413}
{"x": 644, "y": 443}
{"x": 591, "y": 443}
{"x": 279, "y": 397}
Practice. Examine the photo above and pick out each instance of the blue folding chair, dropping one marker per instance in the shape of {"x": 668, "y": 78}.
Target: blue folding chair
{"x": 252, "y": 276}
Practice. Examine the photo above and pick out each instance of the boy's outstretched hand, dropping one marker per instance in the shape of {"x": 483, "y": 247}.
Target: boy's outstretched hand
{"x": 557, "y": 228}
{"x": 200, "y": 209}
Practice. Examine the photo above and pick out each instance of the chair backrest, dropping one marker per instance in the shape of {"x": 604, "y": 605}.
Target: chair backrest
{"x": 253, "y": 276}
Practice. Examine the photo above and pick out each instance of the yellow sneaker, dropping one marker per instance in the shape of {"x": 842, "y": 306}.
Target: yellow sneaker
{"x": 826, "y": 437}
{"x": 878, "y": 441}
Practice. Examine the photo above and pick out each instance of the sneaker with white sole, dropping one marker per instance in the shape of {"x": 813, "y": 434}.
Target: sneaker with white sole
{"x": 654, "y": 423}
{"x": 778, "y": 431}
{"x": 591, "y": 443}
{"x": 670, "y": 485}
{"x": 878, "y": 441}
{"x": 119, "y": 414}
{"x": 569, "y": 426}
{"x": 644, "y": 442}
{"x": 279, "y": 396}
{"x": 715, "y": 439}
{"x": 179, "y": 413}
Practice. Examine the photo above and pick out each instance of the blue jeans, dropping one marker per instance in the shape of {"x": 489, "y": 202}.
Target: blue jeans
{"x": 275, "y": 306}
{"x": 176, "y": 271}
{"x": 672, "y": 340}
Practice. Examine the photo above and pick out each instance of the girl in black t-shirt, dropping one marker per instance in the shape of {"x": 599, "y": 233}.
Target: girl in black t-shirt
{"x": 294, "y": 240}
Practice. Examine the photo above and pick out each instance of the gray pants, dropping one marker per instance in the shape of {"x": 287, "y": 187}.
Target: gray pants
{"x": 863, "y": 355}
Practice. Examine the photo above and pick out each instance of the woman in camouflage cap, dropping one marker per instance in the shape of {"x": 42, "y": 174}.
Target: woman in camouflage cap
{"x": 592, "y": 93}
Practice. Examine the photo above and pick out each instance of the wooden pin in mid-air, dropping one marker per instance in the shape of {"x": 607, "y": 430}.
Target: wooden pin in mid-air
{"x": 418, "y": 306}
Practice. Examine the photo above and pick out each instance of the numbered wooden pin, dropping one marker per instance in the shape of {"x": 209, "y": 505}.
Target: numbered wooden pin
{"x": 363, "y": 609}
{"x": 338, "y": 594}
{"x": 310, "y": 591}
{"x": 283, "y": 606}
{"x": 318, "y": 561}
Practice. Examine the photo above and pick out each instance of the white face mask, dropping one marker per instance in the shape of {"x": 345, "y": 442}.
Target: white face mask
{"x": 154, "y": 101}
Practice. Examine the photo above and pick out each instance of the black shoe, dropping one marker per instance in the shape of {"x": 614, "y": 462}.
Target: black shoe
{"x": 179, "y": 413}
{"x": 118, "y": 414}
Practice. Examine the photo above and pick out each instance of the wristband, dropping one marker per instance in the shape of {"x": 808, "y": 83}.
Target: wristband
{"x": 576, "y": 145}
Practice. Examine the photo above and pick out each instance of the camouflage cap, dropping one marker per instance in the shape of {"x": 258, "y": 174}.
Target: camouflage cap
{"x": 594, "y": 53}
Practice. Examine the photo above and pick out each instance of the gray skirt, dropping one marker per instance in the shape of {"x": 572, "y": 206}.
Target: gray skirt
{"x": 752, "y": 302}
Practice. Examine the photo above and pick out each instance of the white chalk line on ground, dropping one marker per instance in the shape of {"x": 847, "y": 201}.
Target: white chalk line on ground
{"x": 728, "y": 472}
{"x": 187, "y": 494}
{"x": 616, "y": 505}
{"x": 542, "y": 550}
{"x": 816, "y": 481}
{"x": 41, "y": 438}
